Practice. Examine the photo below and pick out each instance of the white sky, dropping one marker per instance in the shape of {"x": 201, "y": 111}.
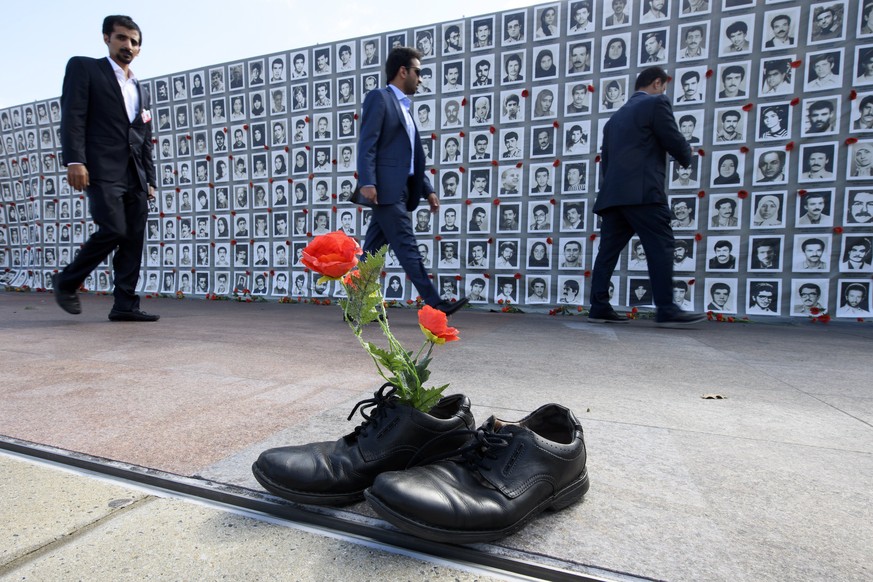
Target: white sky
{"x": 38, "y": 37}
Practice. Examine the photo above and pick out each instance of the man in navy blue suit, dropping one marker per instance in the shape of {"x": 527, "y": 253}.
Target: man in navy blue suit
{"x": 632, "y": 200}
{"x": 107, "y": 146}
{"x": 391, "y": 176}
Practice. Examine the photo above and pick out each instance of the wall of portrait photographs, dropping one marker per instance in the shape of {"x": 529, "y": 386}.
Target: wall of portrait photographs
{"x": 775, "y": 218}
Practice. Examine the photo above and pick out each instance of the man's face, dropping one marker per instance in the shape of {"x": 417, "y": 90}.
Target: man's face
{"x": 684, "y": 173}
{"x": 347, "y": 221}
{"x": 730, "y": 123}
{"x": 780, "y": 28}
{"x": 320, "y": 157}
{"x": 720, "y": 297}
{"x": 867, "y": 114}
{"x": 479, "y": 218}
{"x": 687, "y": 129}
{"x": 476, "y": 289}
{"x": 477, "y": 252}
{"x": 814, "y": 207}
{"x": 825, "y": 19}
{"x": 618, "y": 6}
{"x": 681, "y": 210}
{"x": 347, "y": 155}
{"x": 738, "y": 39}
{"x": 539, "y": 289}
{"x": 854, "y": 297}
{"x": 572, "y": 252}
{"x": 775, "y": 77}
{"x": 452, "y": 112}
{"x": 652, "y": 45}
{"x": 822, "y": 68}
{"x": 482, "y": 71}
{"x": 678, "y": 294}
{"x": 542, "y": 178}
{"x": 512, "y": 68}
{"x": 689, "y": 86}
{"x": 452, "y": 75}
{"x": 813, "y": 253}
{"x": 369, "y": 50}
{"x": 581, "y": 16}
{"x": 862, "y": 207}
{"x": 770, "y": 165}
{"x": 725, "y": 210}
{"x": 678, "y": 253}
{"x": 540, "y": 217}
{"x": 425, "y": 45}
{"x": 449, "y": 251}
{"x": 506, "y": 252}
{"x": 508, "y": 216}
{"x": 483, "y": 31}
{"x": 422, "y": 217}
{"x": 573, "y": 176}
{"x": 765, "y": 254}
{"x": 454, "y": 39}
{"x": 857, "y": 253}
{"x": 543, "y": 139}
{"x": 572, "y": 216}
{"x": 507, "y": 289}
{"x": 732, "y": 83}
{"x": 479, "y": 183}
{"x": 450, "y": 185}
{"x": 579, "y": 58}
{"x": 693, "y": 40}
{"x": 513, "y": 29}
{"x": 510, "y": 180}
{"x": 817, "y": 161}
{"x": 450, "y": 218}
{"x": 321, "y": 189}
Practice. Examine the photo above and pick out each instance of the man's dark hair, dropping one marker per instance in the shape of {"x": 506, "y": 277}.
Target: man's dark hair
{"x": 689, "y": 117}
{"x": 823, "y": 104}
{"x": 732, "y": 70}
{"x": 111, "y": 21}
{"x": 649, "y": 76}
{"x": 730, "y": 113}
{"x": 400, "y": 56}
{"x": 719, "y": 287}
{"x": 730, "y": 201}
{"x": 812, "y": 241}
{"x": 738, "y": 26}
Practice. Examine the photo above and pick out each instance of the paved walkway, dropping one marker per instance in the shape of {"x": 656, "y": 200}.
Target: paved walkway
{"x": 772, "y": 482}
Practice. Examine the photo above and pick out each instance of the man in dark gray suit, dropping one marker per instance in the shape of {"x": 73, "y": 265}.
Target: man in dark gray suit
{"x": 107, "y": 147}
{"x": 632, "y": 200}
{"x": 391, "y": 177}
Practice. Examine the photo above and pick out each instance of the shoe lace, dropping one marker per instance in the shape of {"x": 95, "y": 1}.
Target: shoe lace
{"x": 379, "y": 404}
{"x": 475, "y": 453}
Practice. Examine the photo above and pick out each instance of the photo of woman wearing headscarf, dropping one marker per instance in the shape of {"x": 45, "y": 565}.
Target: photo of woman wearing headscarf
{"x": 615, "y": 55}
{"x": 768, "y": 211}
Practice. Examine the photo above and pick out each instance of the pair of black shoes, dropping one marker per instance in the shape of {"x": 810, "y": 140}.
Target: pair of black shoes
{"x": 69, "y": 302}
{"x": 433, "y": 474}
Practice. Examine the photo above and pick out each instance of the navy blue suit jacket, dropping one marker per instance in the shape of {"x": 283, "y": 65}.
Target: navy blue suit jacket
{"x": 633, "y": 162}
{"x": 384, "y": 153}
{"x": 95, "y": 129}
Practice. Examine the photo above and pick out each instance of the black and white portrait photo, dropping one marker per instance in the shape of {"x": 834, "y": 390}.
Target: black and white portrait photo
{"x": 856, "y": 254}
{"x": 613, "y": 94}
{"x": 818, "y": 162}
{"x": 692, "y": 42}
{"x": 653, "y": 47}
{"x": 809, "y": 297}
{"x": 853, "y": 299}
{"x": 763, "y": 297}
{"x": 777, "y": 76}
{"x": 722, "y": 253}
{"x": 774, "y": 122}
{"x": 720, "y": 295}
{"x": 770, "y": 166}
{"x": 827, "y": 21}
{"x": 580, "y": 17}
{"x": 781, "y": 28}
{"x": 730, "y": 125}
{"x": 824, "y": 71}
{"x": 765, "y": 253}
{"x": 860, "y": 163}
{"x": 737, "y": 35}
{"x": 811, "y": 253}
{"x": 514, "y": 28}
{"x": 481, "y": 33}
{"x": 733, "y": 80}
{"x": 859, "y": 207}
{"x": 615, "y": 52}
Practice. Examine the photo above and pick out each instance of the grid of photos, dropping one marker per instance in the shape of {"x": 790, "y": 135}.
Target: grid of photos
{"x": 255, "y": 157}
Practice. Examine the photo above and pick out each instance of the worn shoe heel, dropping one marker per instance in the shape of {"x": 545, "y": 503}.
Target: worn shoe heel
{"x": 571, "y": 493}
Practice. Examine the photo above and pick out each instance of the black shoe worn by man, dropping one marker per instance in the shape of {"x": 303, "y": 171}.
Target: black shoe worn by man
{"x": 133, "y": 315}
{"x": 678, "y": 319}
{"x": 606, "y": 317}
{"x": 67, "y": 300}
{"x": 450, "y": 307}
{"x": 494, "y": 485}
{"x": 393, "y": 434}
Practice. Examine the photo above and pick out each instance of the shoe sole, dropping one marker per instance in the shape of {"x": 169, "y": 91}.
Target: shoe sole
{"x": 304, "y": 497}
{"x": 564, "y": 498}
{"x": 601, "y": 320}
{"x": 73, "y": 309}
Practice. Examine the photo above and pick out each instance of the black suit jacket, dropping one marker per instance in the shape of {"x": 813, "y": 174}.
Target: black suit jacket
{"x": 633, "y": 162}
{"x": 95, "y": 129}
{"x": 384, "y": 153}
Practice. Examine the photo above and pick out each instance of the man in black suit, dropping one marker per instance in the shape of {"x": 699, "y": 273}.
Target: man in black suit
{"x": 107, "y": 147}
{"x": 638, "y": 136}
{"x": 391, "y": 176}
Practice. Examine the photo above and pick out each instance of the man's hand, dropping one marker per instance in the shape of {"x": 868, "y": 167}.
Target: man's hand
{"x": 434, "y": 202}
{"x": 369, "y": 192}
{"x": 151, "y": 192}
{"x": 77, "y": 176}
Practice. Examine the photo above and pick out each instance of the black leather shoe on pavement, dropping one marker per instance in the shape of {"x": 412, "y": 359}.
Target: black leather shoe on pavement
{"x": 498, "y": 482}
{"x": 135, "y": 315}
{"x": 68, "y": 301}
{"x": 450, "y": 307}
{"x": 680, "y": 319}
{"x": 392, "y": 435}
{"x": 608, "y": 317}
